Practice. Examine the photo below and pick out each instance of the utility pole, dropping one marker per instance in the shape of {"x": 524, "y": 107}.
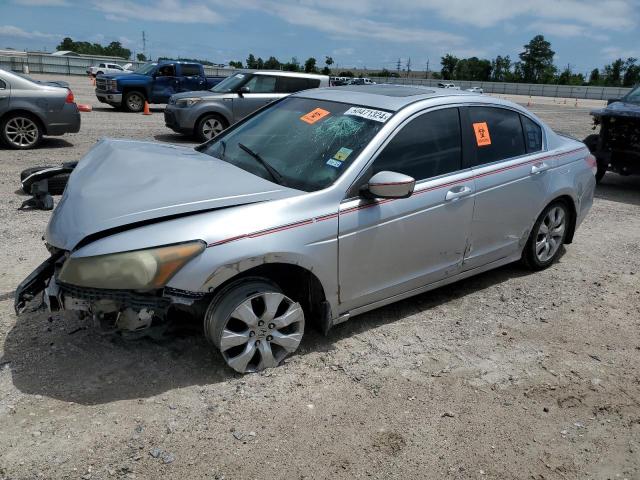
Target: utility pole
{"x": 144, "y": 44}
{"x": 399, "y": 65}
{"x": 426, "y": 74}
{"x": 408, "y": 67}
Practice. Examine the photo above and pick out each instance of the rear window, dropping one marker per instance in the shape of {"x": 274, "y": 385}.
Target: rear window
{"x": 497, "y": 133}
{"x": 532, "y": 134}
{"x": 191, "y": 70}
{"x": 292, "y": 84}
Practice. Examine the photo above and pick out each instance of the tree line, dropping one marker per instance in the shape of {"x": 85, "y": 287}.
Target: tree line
{"x": 535, "y": 65}
{"x": 114, "y": 49}
{"x": 272, "y": 63}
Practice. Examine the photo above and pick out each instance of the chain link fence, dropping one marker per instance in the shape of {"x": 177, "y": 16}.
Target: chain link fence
{"x": 531, "y": 89}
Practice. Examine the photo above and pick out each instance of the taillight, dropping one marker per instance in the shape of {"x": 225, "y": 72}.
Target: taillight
{"x": 70, "y": 98}
{"x": 592, "y": 162}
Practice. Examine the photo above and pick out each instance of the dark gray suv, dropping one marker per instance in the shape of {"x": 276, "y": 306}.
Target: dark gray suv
{"x": 30, "y": 109}
{"x": 206, "y": 114}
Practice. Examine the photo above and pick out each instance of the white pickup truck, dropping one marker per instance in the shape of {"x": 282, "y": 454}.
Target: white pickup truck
{"x": 102, "y": 68}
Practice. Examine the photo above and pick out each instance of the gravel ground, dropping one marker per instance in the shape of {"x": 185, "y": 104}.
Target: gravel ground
{"x": 505, "y": 375}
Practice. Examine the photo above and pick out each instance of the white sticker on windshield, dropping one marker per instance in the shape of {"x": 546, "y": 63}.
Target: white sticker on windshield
{"x": 376, "y": 115}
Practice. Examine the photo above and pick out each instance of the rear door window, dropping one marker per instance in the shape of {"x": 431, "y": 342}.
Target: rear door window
{"x": 532, "y": 134}
{"x": 190, "y": 70}
{"x": 497, "y": 134}
{"x": 427, "y": 146}
{"x": 2, "y": 85}
{"x": 292, "y": 84}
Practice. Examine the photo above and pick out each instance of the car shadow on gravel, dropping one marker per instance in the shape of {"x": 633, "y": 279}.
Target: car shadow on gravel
{"x": 618, "y": 188}
{"x": 47, "y": 142}
{"x": 66, "y": 358}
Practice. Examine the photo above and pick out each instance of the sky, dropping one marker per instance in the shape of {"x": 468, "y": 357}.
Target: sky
{"x": 356, "y": 33}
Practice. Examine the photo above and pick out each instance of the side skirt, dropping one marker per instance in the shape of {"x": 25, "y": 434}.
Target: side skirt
{"x": 416, "y": 291}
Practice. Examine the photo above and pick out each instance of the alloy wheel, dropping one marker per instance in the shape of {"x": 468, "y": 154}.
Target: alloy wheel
{"x": 21, "y": 132}
{"x": 550, "y": 233}
{"x": 261, "y": 332}
{"x": 211, "y": 127}
{"x": 135, "y": 102}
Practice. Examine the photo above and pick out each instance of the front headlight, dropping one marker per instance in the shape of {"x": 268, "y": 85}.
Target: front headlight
{"x": 187, "y": 102}
{"x": 136, "y": 270}
{"x": 112, "y": 85}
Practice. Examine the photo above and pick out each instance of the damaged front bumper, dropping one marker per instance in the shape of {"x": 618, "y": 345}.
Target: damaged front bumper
{"x": 36, "y": 282}
{"x": 120, "y": 309}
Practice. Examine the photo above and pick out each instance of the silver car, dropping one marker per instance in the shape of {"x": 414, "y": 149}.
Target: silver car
{"x": 31, "y": 109}
{"x": 327, "y": 204}
{"x": 206, "y": 114}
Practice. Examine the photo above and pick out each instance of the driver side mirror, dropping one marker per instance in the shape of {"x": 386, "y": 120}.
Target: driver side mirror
{"x": 244, "y": 90}
{"x": 389, "y": 185}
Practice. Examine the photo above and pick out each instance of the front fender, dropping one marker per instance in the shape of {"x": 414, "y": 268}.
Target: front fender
{"x": 207, "y": 108}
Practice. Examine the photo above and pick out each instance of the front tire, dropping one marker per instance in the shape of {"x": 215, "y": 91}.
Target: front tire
{"x": 254, "y": 324}
{"x": 547, "y": 236}
{"x": 133, "y": 101}
{"x": 21, "y": 131}
{"x": 209, "y": 126}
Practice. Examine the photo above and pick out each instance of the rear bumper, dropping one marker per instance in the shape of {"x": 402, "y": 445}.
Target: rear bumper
{"x": 65, "y": 121}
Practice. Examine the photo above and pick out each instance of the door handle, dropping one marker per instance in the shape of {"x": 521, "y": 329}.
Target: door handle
{"x": 539, "y": 168}
{"x": 457, "y": 192}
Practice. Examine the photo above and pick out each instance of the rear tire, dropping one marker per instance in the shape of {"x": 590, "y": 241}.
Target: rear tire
{"x": 133, "y": 101}
{"x": 21, "y": 131}
{"x": 547, "y": 236}
{"x": 209, "y": 126}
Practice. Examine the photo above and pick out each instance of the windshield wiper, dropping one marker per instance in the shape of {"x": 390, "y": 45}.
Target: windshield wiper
{"x": 272, "y": 171}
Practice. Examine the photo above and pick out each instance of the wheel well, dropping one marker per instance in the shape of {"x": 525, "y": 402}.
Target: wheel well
{"x": 28, "y": 114}
{"x": 295, "y": 281}
{"x": 568, "y": 201}
{"x": 206, "y": 114}
{"x": 134, "y": 89}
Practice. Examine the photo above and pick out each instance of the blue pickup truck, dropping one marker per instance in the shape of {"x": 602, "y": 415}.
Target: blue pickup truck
{"x": 153, "y": 82}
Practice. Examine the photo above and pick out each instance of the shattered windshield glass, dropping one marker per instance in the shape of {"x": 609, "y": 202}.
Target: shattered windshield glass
{"x": 309, "y": 143}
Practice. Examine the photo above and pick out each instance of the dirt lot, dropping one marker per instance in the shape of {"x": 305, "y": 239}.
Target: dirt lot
{"x": 507, "y": 375}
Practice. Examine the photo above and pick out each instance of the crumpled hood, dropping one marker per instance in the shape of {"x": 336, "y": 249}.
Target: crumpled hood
{"x": 122, "y": 182}
{"x": 619, "y": 109}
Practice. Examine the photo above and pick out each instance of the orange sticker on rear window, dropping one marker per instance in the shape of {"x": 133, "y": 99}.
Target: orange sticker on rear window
{"x": 482, "y": 134}
{"x": 314, "y": 115}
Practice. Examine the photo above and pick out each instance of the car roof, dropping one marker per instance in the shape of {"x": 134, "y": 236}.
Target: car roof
{"x": 283, "y": 73}
{"x": 385, "y": 96}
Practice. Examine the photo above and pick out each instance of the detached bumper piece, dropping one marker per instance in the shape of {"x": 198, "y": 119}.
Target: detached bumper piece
{"x": 35, "y": 283}
{"x": 42, "y": 183}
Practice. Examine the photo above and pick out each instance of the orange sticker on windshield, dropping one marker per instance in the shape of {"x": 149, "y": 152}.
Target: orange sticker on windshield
{"x": 314, "y": 115}
{"x": 482, "y": 134}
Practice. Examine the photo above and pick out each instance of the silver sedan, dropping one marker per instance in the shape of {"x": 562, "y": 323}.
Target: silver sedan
{"x": 327, "y": 204}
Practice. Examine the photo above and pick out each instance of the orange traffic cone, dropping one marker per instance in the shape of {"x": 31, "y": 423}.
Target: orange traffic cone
{"x": 146, "y": 108}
